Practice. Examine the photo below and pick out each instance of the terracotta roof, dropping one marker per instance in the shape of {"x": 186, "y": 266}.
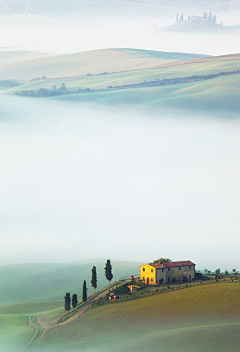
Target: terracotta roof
{"x": 157, "y": 265}
{"x": 167, "y": 265}
{"x": 186, "y": 262}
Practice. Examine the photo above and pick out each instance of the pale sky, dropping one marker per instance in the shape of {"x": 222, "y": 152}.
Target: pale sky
{"x": 61, "y": 29}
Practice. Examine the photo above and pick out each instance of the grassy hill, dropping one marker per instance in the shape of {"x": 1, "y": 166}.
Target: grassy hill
{"x": 204, "y": 318}
{"x": 201, "y": 318}
{"x": 94, "y": 62}
{"x": 23, "y": 283}
{"x": 113, "y": 70}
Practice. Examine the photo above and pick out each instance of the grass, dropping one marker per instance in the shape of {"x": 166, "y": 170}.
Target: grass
{"x": 133, "y": 76}
{"x": 96, "y": 61}
{"x": 31, "y": 308}
{"x": 203, "y": 318}
{"x": 14, "y": 332}
{"x": 218, "y": 95}
{"x": 22, "y": 283}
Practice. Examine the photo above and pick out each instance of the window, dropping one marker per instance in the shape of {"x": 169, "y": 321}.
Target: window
{"x": 162, "y": 270}
{"x": 179, "y": 278}
{"x": 151, "y": 270}
{"x": 190, "y": 277}
{"x": 143, "y": 278}
{"x": 179, "y": 268}
{"x": 168, "y": 279}
{"x": 168, "y": 269}
{"x": 143, "y": 269}
{"x": 190, "y": 267}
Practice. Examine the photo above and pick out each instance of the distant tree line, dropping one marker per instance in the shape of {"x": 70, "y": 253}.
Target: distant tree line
{"x": 74, "y": 301}
{"x": 157, "y": 82}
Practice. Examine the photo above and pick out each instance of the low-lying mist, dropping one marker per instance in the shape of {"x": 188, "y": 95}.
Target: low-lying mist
{"x": 79, "y": 182}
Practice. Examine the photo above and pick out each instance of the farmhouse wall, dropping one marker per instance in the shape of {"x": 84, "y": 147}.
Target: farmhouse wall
{"x": 161, "y": 275}
{"x": 179, "y": 274}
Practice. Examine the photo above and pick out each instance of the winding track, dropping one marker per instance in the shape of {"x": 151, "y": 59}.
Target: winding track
{"x": 41, "y": 328}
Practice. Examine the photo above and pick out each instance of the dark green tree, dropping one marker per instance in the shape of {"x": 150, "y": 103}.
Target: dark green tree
{"x": 67, "y": 301}
{"x": 94, "y": 278}
{"x": 74, "y": 300}
{"x": 84, "y": 293}
{"x": 162, "y": 260}
{"x": 108, "y": 272}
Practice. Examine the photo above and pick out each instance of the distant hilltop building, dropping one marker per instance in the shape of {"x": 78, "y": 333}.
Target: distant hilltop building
{"x": 162, "y": 273}
{"x": 197, "y": 23}
{"x": 206, "y": 19}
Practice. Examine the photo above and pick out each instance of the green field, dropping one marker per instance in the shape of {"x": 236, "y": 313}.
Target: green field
{"x": 94, "y": 62}
{"x": 23, "y": 283}
{"x": 38, "y": 289}
{"x": 204, "y": 318}
{"x": 200, "y": 318}
{"x": 127, "y": 66}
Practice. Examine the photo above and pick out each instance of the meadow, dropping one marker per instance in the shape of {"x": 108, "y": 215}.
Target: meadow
{"x": 204, "y": 318}
{"x": 22, "y": 283}
{"x": 106, "y": 78}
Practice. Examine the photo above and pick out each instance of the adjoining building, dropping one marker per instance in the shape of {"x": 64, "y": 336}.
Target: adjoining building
{"x": 163, "y": 273}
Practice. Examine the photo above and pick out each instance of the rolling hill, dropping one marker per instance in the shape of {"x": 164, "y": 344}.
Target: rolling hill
{"x": 201, "y": 318}
{"x": 94, "y": 62}
{"x": 21, "y": 283}
{"x": 140, "y": 79}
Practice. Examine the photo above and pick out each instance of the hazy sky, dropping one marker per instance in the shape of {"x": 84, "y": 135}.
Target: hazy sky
{"x": 77, "y": 183}
{"x": 74, "y": 26}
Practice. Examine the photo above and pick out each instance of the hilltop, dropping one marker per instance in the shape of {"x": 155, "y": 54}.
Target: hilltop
{"x": 83, "y": 63}
{"x": 207, "y": 23}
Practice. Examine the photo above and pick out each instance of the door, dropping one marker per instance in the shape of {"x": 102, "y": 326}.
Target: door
{"x": 148, "y": 280}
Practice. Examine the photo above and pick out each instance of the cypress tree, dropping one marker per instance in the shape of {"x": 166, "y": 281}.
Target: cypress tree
{"x": 74, "y": 300}
{"x": 94, "y": 278}
{"x": 67, "y": 301}
{"x": 84, "y": 294}
{"x": 108, "y": 271}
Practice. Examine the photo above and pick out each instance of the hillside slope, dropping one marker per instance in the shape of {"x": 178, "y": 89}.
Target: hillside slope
{"x": 23, "y": 283}
{"x": 204, "y": 318}
{"x": 94, "y": 62}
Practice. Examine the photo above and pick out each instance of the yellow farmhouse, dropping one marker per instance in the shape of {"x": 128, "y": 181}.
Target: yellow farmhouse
{"x": 162, "y": 273}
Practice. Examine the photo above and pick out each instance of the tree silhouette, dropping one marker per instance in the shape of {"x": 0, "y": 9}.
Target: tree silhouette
{"x": 67, "y": 301}
{"x": 94, "y": 278}
{"x": 84, "y": 294}
{"x": 63, "y": 88}
{"x": 108, "y": 271}
{"x": 74, "y": 300}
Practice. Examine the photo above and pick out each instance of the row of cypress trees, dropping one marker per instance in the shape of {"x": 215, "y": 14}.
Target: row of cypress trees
{"x": 108, "y": 275}
{"x": 68, "y": 301}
